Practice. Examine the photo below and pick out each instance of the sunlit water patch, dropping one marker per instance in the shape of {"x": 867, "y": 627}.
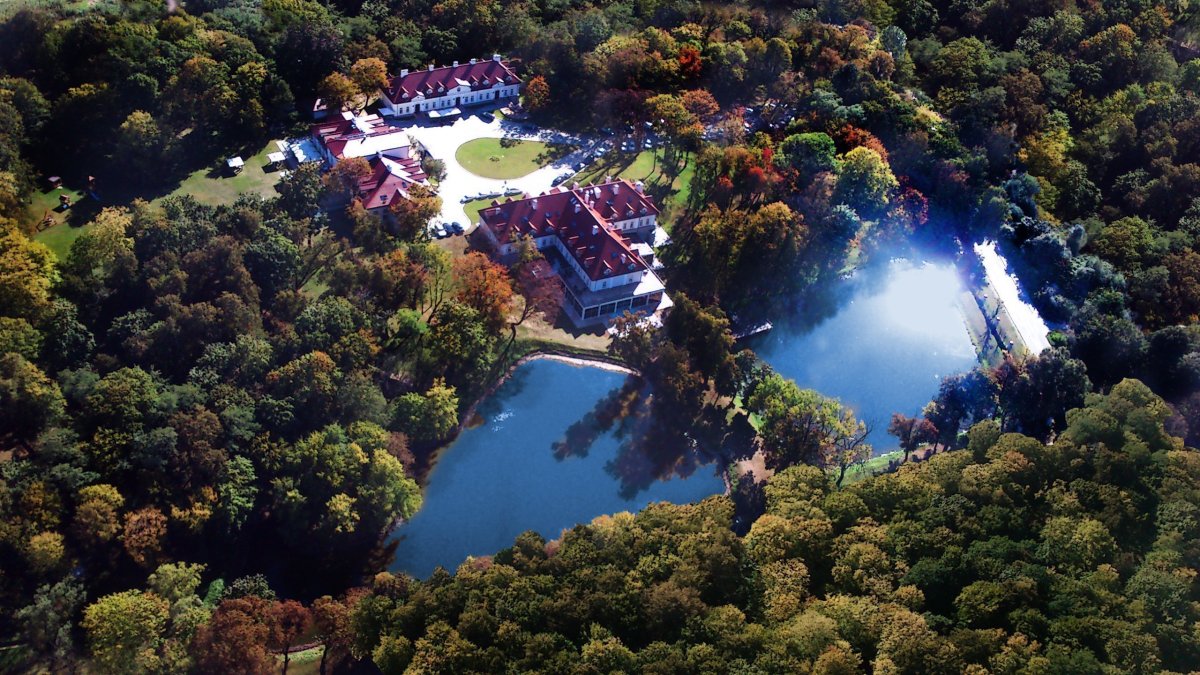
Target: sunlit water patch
{"x": 884, "y": 349}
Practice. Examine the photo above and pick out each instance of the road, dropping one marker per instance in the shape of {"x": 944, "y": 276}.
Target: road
{"x": 1030, "y": 327}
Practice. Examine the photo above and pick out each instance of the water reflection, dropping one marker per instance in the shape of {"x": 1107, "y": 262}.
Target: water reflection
{"x": 560, "y": 445}
{"x": 880, "y": 341}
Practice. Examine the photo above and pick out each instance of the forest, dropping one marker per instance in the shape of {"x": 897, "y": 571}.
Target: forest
{"x": 212, "y": 415}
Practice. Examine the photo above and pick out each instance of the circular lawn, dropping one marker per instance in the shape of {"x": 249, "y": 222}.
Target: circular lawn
{"x": 505, "y": 158}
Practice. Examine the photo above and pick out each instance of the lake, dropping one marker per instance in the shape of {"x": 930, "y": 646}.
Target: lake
{"x": 558, "y": 446}
{"x": 893, "y": 332}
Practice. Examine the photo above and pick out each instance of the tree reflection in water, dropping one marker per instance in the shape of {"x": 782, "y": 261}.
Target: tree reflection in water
{"x": 655, "y": 444}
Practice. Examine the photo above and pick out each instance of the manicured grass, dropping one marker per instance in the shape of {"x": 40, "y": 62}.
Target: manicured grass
{"x": 875, "y": 465}
{"x": 216, "y": 186}
{"x": 473, "y": 208}
{"x": 506, "y": 158}
{"x": 207, "y": 185}
{"x": 563, "y": 335}
{"x": 67, "y": 223}
{"x": 647, "y": 166}
{"x": 60, "y": 237}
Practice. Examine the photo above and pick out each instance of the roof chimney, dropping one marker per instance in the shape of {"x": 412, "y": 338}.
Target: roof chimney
{"x": 431, "y": 67}
{"x": 595, "y": 229}
{"x": 473, "y": 61}
{"x": 455, "y": 64}
{"x": 639, "y": 186}
{"x": 404, "y": 72}
{"x": 496, "y": 58}
{"x": 578, "y": 206}
{"x": 616, "y": 188}
{"x": 533, "y": 204}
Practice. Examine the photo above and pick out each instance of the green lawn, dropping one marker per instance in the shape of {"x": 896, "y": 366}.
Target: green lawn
{"x": 212, "y": 186}
{"x": 60, "y": 237}
{"x": 503, "y": 158}
{"x": 206, "y": 185}
{"x": 473, "y": 208}
{"x": 647, "y": 166}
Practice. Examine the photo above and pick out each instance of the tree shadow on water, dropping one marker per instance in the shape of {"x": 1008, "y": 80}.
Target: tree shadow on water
{"x": 615, "y": 407}
{"x": 653, "y": 444}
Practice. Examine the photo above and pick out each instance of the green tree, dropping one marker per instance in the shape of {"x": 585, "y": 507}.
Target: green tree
{"x": 865, "y": 182}
{"x": 337, "y": 91}
{"x": 48, "y": 622}
{"x": 808, "y": 153}
{"x": 430, "y": 416}
{"x": 368, "y": 75}
{"x": 26, "y": 273}
{"x": 30, "y": 402}
{"x": 125, "y": 631}
{"x": 141, "y": 147}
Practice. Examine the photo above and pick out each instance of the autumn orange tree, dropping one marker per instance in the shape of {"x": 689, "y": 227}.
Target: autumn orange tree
{"x": 537, "y": 93}
{"x": 484, "y": 286}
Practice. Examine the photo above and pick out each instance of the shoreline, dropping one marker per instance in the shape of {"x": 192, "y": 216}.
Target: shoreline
{"x": 466, "y": 420}
{"x": 610, "y": 364}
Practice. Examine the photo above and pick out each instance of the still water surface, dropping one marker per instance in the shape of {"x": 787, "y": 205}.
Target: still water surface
{"x": 561, "y": 444}
{"x": 556, "y": 448}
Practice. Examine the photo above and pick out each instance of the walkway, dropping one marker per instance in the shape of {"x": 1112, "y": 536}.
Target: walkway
{"x": 442, "y": 142}
{"x": 1028, "y": 323}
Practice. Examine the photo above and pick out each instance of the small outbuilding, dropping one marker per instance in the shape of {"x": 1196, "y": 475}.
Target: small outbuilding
{"x": 235, "y": 164}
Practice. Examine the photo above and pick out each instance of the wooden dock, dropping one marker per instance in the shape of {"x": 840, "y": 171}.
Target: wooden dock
{"x": 753, "y": 330}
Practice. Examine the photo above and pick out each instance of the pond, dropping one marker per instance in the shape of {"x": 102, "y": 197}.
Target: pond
{"x": 558, "y": 445}
{"x": 890, "y": 336}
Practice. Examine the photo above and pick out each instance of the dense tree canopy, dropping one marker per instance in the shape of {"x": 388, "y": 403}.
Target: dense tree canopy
{"x": 202, "y": 406}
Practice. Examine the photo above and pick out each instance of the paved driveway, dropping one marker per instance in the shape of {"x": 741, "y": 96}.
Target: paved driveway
{"x": 442, "y": 142}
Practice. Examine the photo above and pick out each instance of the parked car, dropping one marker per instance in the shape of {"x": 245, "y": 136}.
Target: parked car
{"x": 439, "y": 231}
{"x": 487, "y": 117}
{"x": 513, "y": 191}
{"x": 648, "y": 143}
{"x": 456, "y": 228}
{"x": 563, "y": 177}
{"x": 627, "y": 146}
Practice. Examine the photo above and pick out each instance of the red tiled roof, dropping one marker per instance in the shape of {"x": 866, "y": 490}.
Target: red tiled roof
{"x": 390, "y": 180}
{"x": 579, "y": 218}
{"x": 336, "y": 134}
{"x": 479, "y": 75}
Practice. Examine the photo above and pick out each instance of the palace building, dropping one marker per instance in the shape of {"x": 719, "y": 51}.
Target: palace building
{"x": 439, "y": 92}
{"x": 592, "y": 237}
